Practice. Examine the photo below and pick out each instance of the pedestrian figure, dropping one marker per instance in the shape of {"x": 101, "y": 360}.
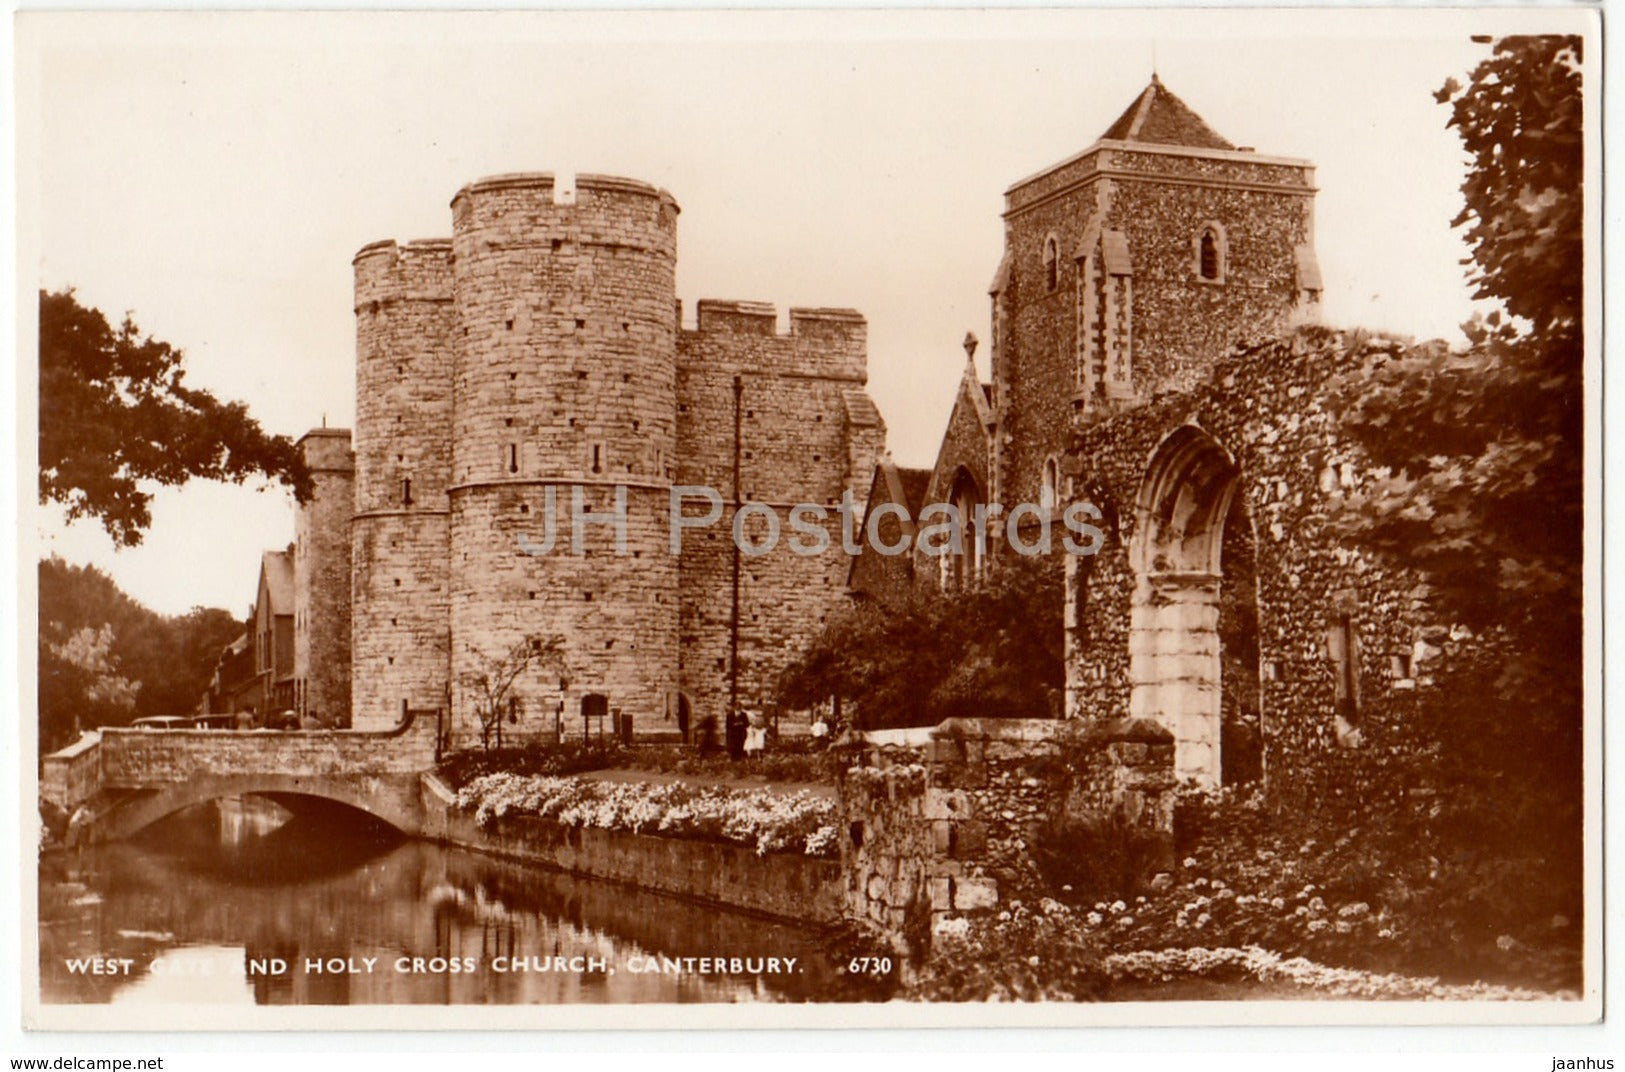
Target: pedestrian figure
{"x": 735, "y": 732}
{"x": 756, "y": 734}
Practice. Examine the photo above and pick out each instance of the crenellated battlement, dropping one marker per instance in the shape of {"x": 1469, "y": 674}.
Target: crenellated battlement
{"x": 386, "y": 271}
{"x": 743, "y": 336}
{"x": 761, "y": 318}
{"x": 327, "y": 450}
{"x": 542, "y": 212}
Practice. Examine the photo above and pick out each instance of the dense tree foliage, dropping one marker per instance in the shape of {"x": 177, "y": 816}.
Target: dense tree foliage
{"x": 916, "y": 658}
{"x": 105, "y": 659}
{"x": 1481, "y": 483}
{"x": 116, "y": 413}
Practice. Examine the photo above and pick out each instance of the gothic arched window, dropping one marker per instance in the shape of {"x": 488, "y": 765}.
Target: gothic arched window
{"x": 1052, "y": 263}
{"x": 1210, "y": 254}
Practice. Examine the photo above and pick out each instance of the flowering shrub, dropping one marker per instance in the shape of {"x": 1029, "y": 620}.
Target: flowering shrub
{"x": 1020, "y": 954}
{"x": 1372, "y": 896}
{"x": 573, "y": 757}
{"x": 787, "y": 760}
{"x": 763, "y": 820}
{"x": 1165, "y": 965}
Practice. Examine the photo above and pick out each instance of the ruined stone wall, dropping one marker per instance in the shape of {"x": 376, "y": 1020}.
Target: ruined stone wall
{"x": 949, "y": 828}
{"x": 399, "y": 544}
{"x": 1265, "y": 406}
{"x": 565, "y": 377}
{"x": 321, "y": 646}
{"x": 808, "y": 434}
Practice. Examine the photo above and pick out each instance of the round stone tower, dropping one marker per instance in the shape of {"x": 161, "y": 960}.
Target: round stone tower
{"x": 563, "y": 424}
{"x": 404, "y": 327}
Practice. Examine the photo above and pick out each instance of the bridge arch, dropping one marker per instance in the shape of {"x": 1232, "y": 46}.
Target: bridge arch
{"x": 392, "y": 799}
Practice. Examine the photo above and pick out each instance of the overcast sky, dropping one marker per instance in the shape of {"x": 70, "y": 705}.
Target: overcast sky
{"x": 214, "y": 173}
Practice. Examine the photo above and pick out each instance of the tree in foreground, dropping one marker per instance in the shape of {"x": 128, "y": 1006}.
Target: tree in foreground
{"x": 1481, "y": 485}
{"x": 116, "y": 414}
{"x": 918, "y": 657}
{"x": 491, "y": 685}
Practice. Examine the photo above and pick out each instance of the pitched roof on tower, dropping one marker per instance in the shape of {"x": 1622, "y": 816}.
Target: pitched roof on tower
{"x": 1160, "y": 117}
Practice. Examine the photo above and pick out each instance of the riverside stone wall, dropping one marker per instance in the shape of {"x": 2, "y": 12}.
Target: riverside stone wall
{"x": 798, "y": 888}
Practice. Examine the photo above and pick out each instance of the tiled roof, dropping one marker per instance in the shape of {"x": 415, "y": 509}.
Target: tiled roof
{"x": 913, "y": 483}
{"x": 1160, "y": 117}
{"x": 277, "y": 567}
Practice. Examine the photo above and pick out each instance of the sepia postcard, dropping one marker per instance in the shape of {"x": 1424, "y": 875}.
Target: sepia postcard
{"x": 809, "y": 519}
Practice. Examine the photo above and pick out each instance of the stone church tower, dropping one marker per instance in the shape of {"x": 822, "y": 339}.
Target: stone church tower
{"x": 1129, "y": 268}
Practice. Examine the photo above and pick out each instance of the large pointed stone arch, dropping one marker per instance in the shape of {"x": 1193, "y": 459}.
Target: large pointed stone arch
{"x": 1174, "y": 659}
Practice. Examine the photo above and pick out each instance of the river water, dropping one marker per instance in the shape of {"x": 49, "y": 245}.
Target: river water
{"x": 241, "y": 902}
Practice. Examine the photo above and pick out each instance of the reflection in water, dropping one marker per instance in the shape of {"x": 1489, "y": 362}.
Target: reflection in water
{"x": 211, "y": 905}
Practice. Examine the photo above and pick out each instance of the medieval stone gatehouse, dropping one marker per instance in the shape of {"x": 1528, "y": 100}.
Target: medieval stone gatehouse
{"x": 534, "y": 369}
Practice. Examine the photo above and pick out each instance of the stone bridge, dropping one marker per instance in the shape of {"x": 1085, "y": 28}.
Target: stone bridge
{"x": 113, "y": 782}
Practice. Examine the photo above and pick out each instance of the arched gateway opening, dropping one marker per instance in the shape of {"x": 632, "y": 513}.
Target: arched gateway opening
{"x": 1193, "y": 649}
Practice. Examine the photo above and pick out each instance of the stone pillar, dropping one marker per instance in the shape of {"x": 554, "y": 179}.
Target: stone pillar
{"x": 1174, "y": 666}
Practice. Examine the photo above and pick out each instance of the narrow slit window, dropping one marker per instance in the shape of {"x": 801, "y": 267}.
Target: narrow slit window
{"x": 513, "y": 457}
{"x": 406, "y": 492}
{"x": 1343, "y": 643}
